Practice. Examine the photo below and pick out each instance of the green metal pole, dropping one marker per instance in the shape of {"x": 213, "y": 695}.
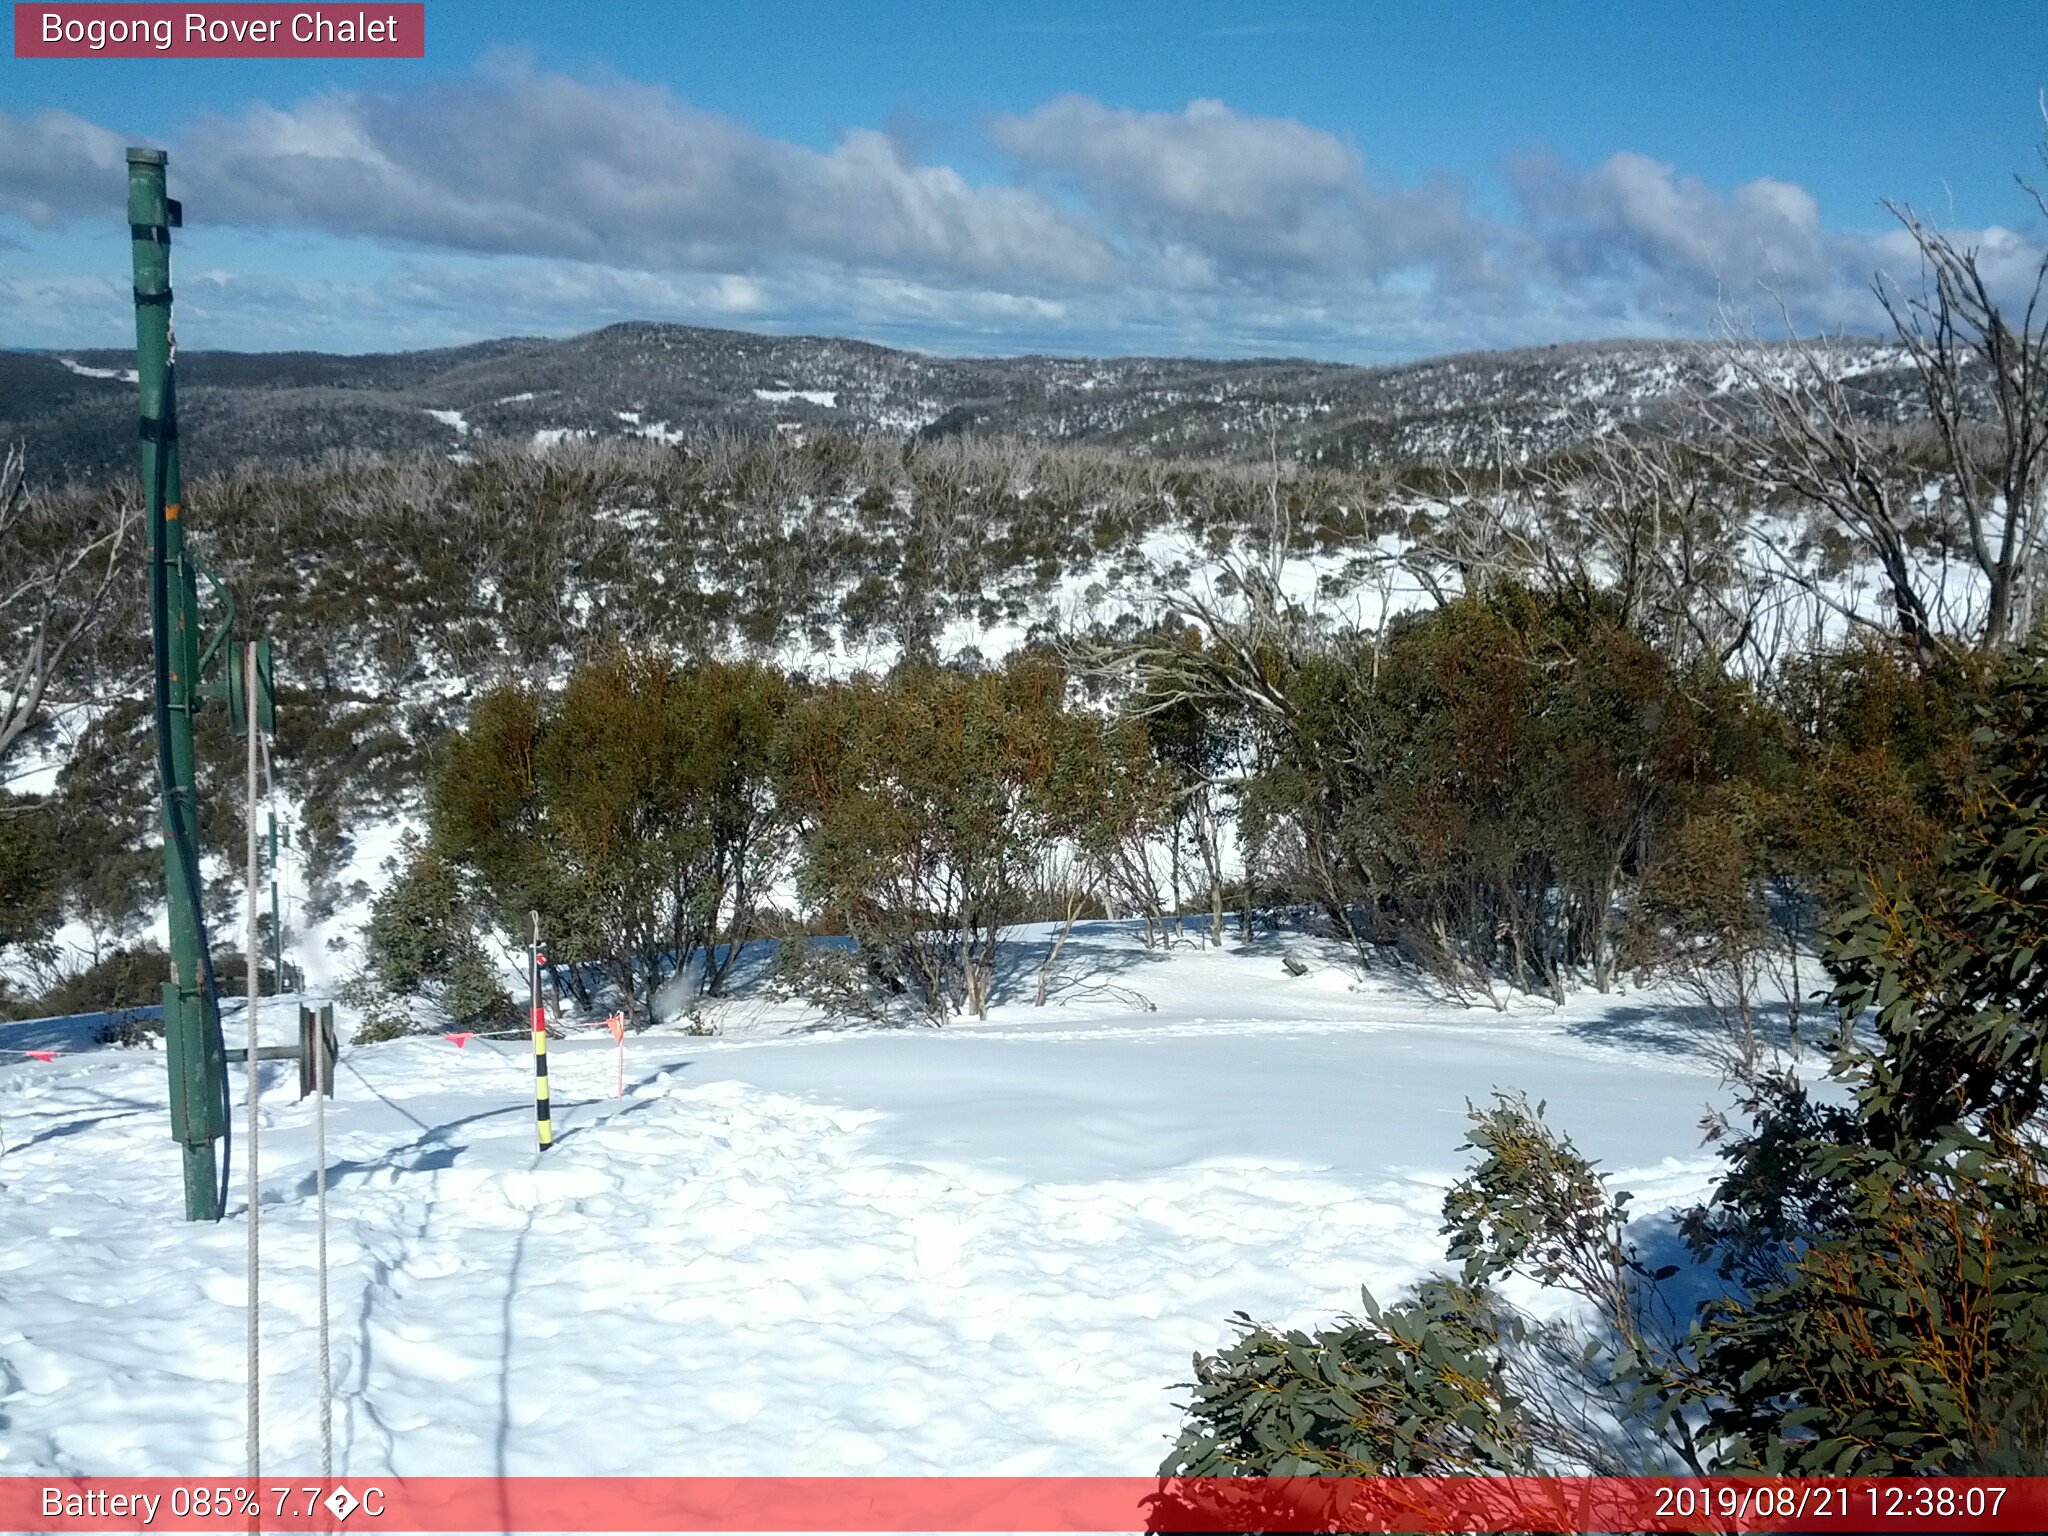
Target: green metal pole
{"x": 198, "y": 1074}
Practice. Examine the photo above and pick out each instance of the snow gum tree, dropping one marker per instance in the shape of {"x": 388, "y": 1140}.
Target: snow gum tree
{"x": 1107, "y": 800}
{"x": 635, "y": 812}
{"x": 925, "y": 803}
{"x": 1480, "y": 784}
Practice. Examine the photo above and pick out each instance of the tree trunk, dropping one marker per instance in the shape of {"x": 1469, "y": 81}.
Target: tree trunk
{"x": 1058, "y": 944}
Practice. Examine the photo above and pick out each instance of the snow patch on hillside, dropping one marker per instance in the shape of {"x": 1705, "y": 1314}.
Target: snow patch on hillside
{"x": 125, "y": 375}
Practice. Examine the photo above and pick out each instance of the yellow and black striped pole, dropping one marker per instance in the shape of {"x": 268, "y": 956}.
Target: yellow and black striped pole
{"x": 545, "y": 1120}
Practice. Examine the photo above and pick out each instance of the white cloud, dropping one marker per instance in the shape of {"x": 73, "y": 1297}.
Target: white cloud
{"x": 534, "y": 164}
{"x": 1218, "y": 190}
{"x": 528, "y": 201}
{"x": 55, "y": 165}
{"x": 1635, "y": 214}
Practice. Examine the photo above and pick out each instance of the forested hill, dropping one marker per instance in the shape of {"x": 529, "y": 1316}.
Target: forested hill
{"x": 681, "y": 383}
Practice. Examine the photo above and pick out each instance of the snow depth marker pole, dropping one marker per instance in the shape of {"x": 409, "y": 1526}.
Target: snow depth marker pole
{"x": 544, "y": 1120}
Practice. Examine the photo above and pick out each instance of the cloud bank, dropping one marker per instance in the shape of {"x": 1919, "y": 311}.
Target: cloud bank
{"x": 522, "y": 200}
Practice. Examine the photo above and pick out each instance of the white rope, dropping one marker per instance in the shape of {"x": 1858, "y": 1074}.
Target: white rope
{"x": 255, "y": 1077}
{"x": 323, "y": 1082}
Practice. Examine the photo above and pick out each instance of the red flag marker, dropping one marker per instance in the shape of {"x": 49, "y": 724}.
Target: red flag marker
{"x": 463, "y": 1038}
{"x": 41, "y": 1055}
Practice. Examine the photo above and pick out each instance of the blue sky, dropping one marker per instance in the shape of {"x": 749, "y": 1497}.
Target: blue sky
{"x": 1351, "y": 181}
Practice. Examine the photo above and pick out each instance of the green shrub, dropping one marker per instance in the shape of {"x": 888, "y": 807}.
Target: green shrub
{"x": 635, "y": 812}
{"x": 382, "y": 1022}
{"x": 1413, "y": 1389}
{"x": 127, "y": 978}
{"x": 421, "y": 941}
{"x": 924, "y": 804}
{"x": 838, "y": 982}
{"x": 32, "y": 870}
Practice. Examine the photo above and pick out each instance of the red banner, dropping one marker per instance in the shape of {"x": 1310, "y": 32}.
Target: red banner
{"x": 213, "y": 31}
{"x": 1060, "y": 1504}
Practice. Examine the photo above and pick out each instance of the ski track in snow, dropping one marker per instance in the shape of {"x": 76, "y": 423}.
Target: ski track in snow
{"x": 988, "y": 1249}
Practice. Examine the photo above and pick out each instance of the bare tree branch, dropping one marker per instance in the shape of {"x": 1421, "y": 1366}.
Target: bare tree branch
{"x": 1798, "y": 425}
{"x": 56, "y": 601}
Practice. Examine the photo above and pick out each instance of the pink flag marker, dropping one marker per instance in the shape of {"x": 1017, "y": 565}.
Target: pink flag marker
{"x": 41, "y": 1055}
{"x": 617, "y": 1025}
{"x": 462, "y": 1038}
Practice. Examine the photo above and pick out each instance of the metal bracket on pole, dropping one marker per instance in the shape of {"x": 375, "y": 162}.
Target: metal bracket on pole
{"x": 220, "y": 634}
{"x": 317, "y": 1045}
{"x": 266, "y": 688}
{"x": 223, "y": 684}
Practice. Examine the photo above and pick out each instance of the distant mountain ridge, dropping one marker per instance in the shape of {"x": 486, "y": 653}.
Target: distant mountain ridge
{"x": 674, "y": 382}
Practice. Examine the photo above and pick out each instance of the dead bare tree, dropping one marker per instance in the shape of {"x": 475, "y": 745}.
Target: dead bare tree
{"x": 1795, "y": 428}
{"x": 1653, "y": 525}
{"x": 1983, "y": 373}
{"x": 1488, "y": 528}
{"x": 1482, "y": 535}
{"x": 56, "y": 594}
{"x": 1231, "y": 646}
{"x": 1982, "y": 370}
{"x": 1660, "y": 524}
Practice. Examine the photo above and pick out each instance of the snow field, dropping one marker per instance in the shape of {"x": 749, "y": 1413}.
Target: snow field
{"x": 989, "y": 1249}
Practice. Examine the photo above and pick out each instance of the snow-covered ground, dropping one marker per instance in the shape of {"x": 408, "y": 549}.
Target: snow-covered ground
{"x": 989, "y": 1248}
